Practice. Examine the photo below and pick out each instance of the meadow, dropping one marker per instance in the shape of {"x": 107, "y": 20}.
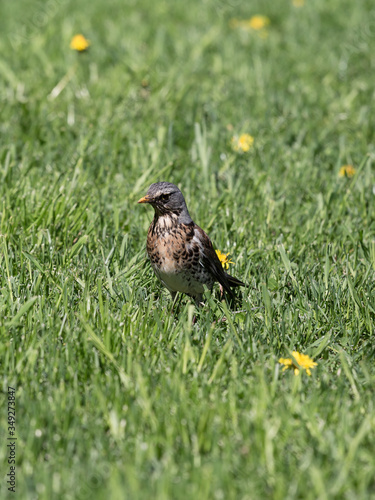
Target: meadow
{"x": 118, "y": 396}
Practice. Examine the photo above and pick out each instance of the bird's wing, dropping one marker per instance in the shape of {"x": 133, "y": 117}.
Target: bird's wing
{"x": 210, "y": 260}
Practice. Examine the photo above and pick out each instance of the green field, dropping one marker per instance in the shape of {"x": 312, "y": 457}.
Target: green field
{"x": 117, "y": 396}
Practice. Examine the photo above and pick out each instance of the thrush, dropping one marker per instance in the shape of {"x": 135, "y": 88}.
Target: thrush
{"x": 181, "y": 254}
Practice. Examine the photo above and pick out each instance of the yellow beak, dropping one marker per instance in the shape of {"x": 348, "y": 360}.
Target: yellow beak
{"x": 145, "y": 199}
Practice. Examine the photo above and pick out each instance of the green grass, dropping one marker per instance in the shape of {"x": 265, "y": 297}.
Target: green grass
{"x": 116, "y": 396}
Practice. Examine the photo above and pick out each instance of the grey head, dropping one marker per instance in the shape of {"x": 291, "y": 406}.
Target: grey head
{"x": 167, "y": 199}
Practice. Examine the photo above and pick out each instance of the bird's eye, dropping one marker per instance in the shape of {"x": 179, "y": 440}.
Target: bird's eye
{"x": 164, "y": 197}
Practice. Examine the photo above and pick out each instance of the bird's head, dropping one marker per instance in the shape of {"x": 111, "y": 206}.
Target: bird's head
{"x": 167, "y": 199}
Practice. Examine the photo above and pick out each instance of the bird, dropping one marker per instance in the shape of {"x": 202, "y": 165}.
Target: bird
{"x": 181, "y": 254}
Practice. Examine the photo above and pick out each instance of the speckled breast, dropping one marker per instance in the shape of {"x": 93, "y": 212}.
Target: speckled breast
{"x": 174, "y": 252}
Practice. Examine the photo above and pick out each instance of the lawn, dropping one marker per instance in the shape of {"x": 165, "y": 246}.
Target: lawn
{"x": 117, "y": 396}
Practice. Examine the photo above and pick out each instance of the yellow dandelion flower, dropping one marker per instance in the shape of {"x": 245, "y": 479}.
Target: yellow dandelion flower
{"x": 223, "y": 257}
{"x": 242, "y": 143}
{"x": 298, "y": 3}
{"x": 79, "y": 43}
{"x": 299, "y": 361}
{"x": 347, "y": 171}
{"x": 257, "y": 22}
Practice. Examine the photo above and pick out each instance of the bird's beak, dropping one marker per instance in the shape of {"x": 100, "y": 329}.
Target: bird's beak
{"x": 145, "y": 199}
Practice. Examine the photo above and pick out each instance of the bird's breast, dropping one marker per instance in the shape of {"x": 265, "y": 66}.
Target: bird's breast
{"x": 171, "y": 246}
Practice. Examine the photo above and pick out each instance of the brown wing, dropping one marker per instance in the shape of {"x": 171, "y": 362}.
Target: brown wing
{"x": 212, "y": 264}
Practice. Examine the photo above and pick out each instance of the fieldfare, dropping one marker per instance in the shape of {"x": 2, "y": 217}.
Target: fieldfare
{"x": 181, "y": 253}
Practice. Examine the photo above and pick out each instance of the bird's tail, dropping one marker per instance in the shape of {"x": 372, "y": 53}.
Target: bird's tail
{"x": 232, "y": 281}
